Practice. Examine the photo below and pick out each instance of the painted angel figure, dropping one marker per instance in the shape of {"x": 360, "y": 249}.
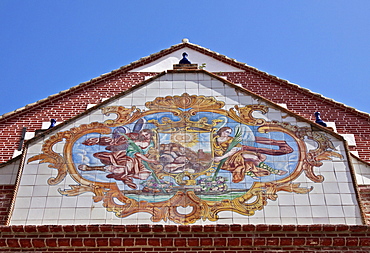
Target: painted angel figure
{"x": 243, "y": 160}
{"x": 127, "y": 155}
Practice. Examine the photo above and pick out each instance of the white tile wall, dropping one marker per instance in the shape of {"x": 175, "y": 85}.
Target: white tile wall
{"x": 332, "y": 201}
{"x": 8, "y": 173}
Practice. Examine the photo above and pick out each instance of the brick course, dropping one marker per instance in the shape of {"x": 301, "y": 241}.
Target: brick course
{"x": 207, "y": 238}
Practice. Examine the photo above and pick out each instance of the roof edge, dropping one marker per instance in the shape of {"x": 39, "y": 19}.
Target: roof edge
{"x": 157, "y": 55}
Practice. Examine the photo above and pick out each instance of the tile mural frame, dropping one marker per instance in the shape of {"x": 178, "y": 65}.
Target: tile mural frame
{"x": 185, "y": 111}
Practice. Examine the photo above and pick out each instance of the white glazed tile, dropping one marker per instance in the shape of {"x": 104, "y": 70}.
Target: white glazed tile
{"x": 335, "y": 211}
{"x": 40, "y": 190}
{"x": 84, "y": 201}
{"x": 165, "y": 85}
{"x": 216, "y": 84}
{"x": 54, "y": 202}
{"x": 321, "y": 220}
{"x": 34, "y": 148}
{"x": 331, "y": 187}
{"x": 98, "y": 213}
{"x": 41, "y": 179}
{"x": 218, "y": 93}
{"x": 38, "y": 202}
{"x": 69, "y": 201}
{"x": 66, "y": 222}
{"x": 126, "y": 102}
{"x": 351, "y": 211}
{"x": 192, "y": 91}
{"x": 20, "y": 214}
{"x": 230, "y": 101}
{"x": 317, "y": 199}
{"x": 82, "y": 213}
{"x": 257, "y": 220}
{"x": 205, "y": 83}
{"x": 330, "y": 176}
{"x": 153, "y": 92}
{"x": 305, "y": 220}
{"x": 31, "y": 169}
{"x": 272, "y": 211}
{"x": 205, "y": 92}
{"x": 153, "y": 84}
{"x": 35, "y": 214}
{"x": 346, "y": 188}
{"x": 67, "y": 214}
{"x": 344, "y": 176}
{"x": 319, "y": 211}
{"x": 22, "y": 202}
{"x": 332, "y": 199}
{"x": 225, "y": 221}
{"x": 348, "y": 199}
{"x": 337, "y": 220}
{"x": 287, "y": 211}
{"x": 51, "y": 214}
{"x": 230, "y": 92}
{"x": 34, "y": 222}
{"x": 273, "y": 221}
{"x": 301, "y": 199}
{"x": 178, "y": 77}
{"x": 303, "y": 211}
{"x": 317, "y": 188}
{"x": 353, "y": 221}
{"x": 191, "y": 85}
{"x": 25, "y": 191}
{"x": 288, "y": 220}
{"x": 285, "y": 199}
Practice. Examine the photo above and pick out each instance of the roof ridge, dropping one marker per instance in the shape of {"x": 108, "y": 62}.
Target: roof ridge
{"x": 184, "y": 43}
{"x": 95, "y": 79}
{"x": 270, "y": 76}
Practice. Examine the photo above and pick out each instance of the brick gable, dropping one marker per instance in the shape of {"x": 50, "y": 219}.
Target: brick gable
{"x": 186, "y": 238}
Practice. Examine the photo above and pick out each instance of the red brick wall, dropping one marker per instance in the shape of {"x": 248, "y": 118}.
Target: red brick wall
{"x": 305, "y": 103}
{"x": 61, "y": 108}
{"x": 6, "y": 195}
{"x": 190, "y": 239}
{"x": 364, "y": 192}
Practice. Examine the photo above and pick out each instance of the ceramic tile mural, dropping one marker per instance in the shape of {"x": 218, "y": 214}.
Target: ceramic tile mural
{"x": 166, "y": 154}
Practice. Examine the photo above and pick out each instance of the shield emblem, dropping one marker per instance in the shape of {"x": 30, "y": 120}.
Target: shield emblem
{"x": 183, "y": 155}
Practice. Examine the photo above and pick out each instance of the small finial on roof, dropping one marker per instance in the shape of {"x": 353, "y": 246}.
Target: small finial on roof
{"x": 184, "y": 60}
{"x": 185, "y": 40}
{"x": 319, "y": 120}
{"x": 52, "y": 123}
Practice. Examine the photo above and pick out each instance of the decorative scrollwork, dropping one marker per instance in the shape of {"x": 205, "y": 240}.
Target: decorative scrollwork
{"x": 124, "y": 115}
{"x": 247, "y": 202}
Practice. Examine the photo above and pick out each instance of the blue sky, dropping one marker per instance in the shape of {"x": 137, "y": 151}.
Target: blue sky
{"x": 50, "y": 46}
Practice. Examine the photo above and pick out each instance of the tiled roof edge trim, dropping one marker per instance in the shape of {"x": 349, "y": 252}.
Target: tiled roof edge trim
{"x": 198, "y": 48}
